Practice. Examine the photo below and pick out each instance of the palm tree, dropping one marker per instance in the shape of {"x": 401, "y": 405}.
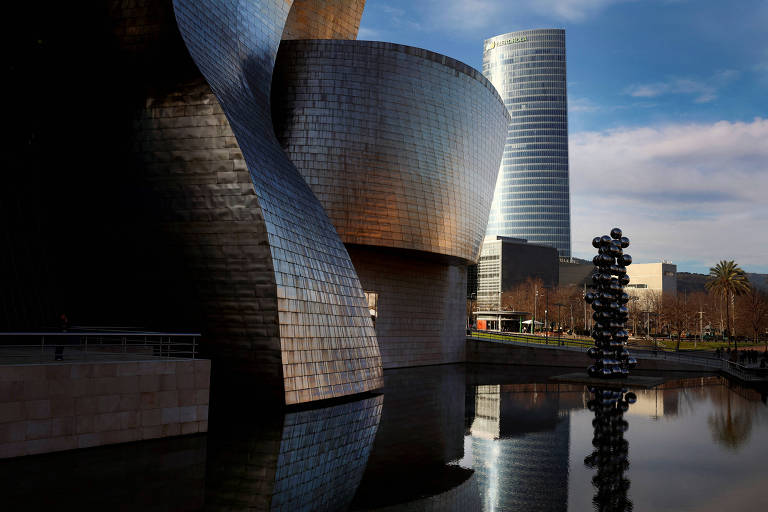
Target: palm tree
{"x": 727, "y": 280}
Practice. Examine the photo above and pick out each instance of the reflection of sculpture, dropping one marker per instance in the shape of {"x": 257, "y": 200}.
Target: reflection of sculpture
{"x": 609, "y": 305}
{"x": 611, "y": 449}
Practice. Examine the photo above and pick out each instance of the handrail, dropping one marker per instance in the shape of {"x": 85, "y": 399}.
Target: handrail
{"x": 99, "y": 333}
{"x": 705, "y": 360}
{"x": 46, "y": 346}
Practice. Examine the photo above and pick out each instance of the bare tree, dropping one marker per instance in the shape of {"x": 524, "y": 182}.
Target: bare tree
{"x": 753, "y": 311}
{"x": 675, "y": 315}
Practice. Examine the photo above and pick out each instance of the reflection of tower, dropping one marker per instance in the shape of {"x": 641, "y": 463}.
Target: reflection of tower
{"x": 520, "y": 449}
{"x": 611, "y": 449}
{"x": 486, "y": 422}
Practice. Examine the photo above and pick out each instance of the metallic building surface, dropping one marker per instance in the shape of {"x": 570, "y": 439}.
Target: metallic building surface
{"x": 323, "y": 455}
{"x": 400, "y": 145}
{"x": 194, "y": 166}
{"x": 328, "y": 345}
{"x": 324, "y": 19}
{"x": 421, "y": 313}
{"x": 532, "y": 196}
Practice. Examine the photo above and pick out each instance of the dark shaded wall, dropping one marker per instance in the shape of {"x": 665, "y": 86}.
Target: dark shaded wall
{"x": 575, "y": 274}
{"x": 421, "y": 314}
{"x": 172, "y": 212}
{"x": 521, "y": 261}
{"x": 77, "y": 236}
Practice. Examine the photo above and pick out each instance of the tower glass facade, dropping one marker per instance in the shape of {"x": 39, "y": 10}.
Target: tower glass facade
{"x": 532, "y": 198}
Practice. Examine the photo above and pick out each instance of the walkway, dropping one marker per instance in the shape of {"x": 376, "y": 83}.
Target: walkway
{"x": 699, "y": 358}
{"x": 94, "y": 346}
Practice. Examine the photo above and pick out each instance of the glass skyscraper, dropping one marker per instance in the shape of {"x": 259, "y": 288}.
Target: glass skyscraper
{"x": 532, "y": 198}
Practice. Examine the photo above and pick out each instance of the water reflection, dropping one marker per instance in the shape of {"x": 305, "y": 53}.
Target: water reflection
{"x": 731, "y": 428}
{"x": 421, "y": 432}
{"x": 611, "y": 454}
{"x": 309, "y": 459}
{"x": 441, "y": 438}
{"x": 518, "y": 445}
{"x": 313, "y": 459}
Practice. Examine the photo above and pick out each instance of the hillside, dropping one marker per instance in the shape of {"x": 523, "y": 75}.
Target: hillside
{"x": 688, "y": 282}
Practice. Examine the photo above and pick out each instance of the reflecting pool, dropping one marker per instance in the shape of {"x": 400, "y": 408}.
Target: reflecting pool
{"x": 456, "y": 437}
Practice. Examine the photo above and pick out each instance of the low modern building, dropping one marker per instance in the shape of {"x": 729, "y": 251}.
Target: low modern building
{"x": 652, "y": 277}
{"x": 575, "y": 272}
{"x": 506, "y": 262}
{"x": 501, "y": 320}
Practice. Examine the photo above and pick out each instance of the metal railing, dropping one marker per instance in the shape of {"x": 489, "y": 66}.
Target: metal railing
{"x": 522, "y": 339}
{"x": 704, "y": 359}
{"x": 89, "y": 345}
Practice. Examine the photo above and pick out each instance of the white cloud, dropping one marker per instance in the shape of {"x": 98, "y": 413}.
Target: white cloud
{"x": 582, "y": 105}
{"x": 569, "y": 10}
{"x": 469, "y": 15}
{"x": 684, "y": 192}
{"x": 703, "y": 90}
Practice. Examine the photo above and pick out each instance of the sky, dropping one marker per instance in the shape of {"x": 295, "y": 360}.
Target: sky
{"x": 667, "y": 113}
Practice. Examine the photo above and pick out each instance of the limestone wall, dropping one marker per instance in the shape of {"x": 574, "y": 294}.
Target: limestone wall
{"x": 54, "y": 407}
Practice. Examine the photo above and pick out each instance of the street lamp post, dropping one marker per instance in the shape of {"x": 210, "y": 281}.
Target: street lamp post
{"x": 583, "y": 296}
{"x": 535, "y": 307}
{"x": 559, "y": 324}
{"x": 546, "y": 317}
{"x": 701, "y": 329}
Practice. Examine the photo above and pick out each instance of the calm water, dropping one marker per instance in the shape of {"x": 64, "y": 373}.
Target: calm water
{"x": 442, "y": 438}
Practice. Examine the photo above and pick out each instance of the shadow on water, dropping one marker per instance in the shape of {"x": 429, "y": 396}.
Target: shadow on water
{"x": 444, "y": 438}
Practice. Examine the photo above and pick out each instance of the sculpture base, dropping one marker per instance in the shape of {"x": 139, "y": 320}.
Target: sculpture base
{"x": 633, "y": 381}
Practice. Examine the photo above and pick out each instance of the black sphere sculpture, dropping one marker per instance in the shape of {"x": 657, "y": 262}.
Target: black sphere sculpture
{"x": 611, "y": 359}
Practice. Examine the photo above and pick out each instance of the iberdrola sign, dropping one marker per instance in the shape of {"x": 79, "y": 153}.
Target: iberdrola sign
{"x": 494, "y": 44}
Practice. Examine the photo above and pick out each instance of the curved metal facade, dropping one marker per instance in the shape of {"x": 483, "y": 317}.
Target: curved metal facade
{"x": 324, "y": 19}
{"x": 328, "y": 345}
{"x": 400, "y": 145}
{"x": 532, "y": 198}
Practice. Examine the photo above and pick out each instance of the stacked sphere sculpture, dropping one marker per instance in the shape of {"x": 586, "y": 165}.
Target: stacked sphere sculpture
{"x": 609, "y": 302}
{"x": 610, "y": 456}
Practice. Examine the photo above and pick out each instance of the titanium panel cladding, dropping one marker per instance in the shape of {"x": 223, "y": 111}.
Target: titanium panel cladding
{"x": 400, "y": 145}
{"x": 327, "y": 339}
{"x": 324, "y": 19}
{"x": 532, "y": 196}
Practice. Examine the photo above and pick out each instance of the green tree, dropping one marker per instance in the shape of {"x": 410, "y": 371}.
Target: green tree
{"x": 727, "y": 279}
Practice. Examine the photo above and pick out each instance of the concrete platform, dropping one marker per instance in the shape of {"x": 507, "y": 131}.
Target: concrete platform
{"x": 633, "y": 381}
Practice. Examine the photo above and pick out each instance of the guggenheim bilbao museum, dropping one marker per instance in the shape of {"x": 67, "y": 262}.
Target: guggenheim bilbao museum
{"x": 307, "y": 201}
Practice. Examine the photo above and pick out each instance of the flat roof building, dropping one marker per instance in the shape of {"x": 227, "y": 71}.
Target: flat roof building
{"x": 506, "y": 262}
{"x": 652, "y": 277}
{"x": 532, "y": 196}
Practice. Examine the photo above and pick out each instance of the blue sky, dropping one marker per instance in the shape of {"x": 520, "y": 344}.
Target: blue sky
{"x": 668, "y": 113}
